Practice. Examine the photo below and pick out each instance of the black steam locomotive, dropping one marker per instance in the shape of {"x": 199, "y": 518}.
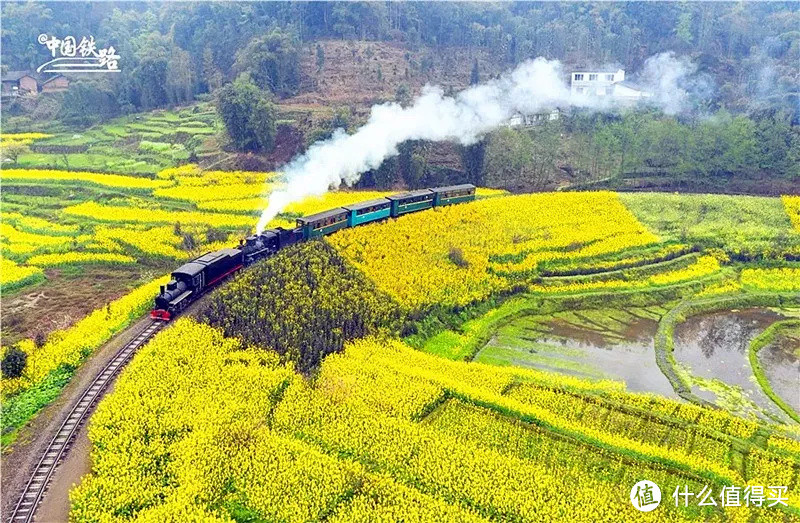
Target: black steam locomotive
{"x": 191, "y": 279}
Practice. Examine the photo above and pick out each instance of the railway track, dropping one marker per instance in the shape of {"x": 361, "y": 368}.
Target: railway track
{"x": 34, "y": 490}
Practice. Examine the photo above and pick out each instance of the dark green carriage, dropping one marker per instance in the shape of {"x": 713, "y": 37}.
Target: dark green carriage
{"x": 410, "y": 201}
{"x": 323, "y": 223}
{"x": 453, "y": 194}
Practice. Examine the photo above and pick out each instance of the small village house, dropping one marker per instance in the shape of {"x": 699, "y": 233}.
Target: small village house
{"x": 19, "y": 83}
{"x": 55, "y": 84}
{"x": 606, "y": 82}
{"x": 529, "y": 120}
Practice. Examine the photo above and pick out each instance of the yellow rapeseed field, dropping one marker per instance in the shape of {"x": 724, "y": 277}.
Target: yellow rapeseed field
{"x": 38, "y": 225}
{"x": 384, "y": 431}
{"x": 24, "y": 136}
{"x": 154, "y": 241}
{"x": 463, "y": 253}
{"x": 120, "y": 214}
{"x": 204, "y": 193}
{"x": 69, "y": 258}
{"x": 108, "y": 180}
{"x": 13, "y": 275}
{"x": 792, "y": 206}
{"x": 780, "y": 279}
{"x": 704, "y": 266}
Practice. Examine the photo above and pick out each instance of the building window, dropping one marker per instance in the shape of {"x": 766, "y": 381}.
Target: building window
{"x": 578, "y": 77}
{"x": 592, "y": 77}
{"x": 610, "y": 77}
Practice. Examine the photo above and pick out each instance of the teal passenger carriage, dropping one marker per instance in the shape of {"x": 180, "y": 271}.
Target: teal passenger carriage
{"x": 369, "y": 211}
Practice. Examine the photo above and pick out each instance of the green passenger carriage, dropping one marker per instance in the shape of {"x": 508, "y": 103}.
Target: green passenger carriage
{"x": 411, "y": 201}
{"x": 453, "y": 194}
{"x": 323, "y": 223}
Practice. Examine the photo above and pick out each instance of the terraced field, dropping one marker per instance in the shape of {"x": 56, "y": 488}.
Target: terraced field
{"x": 484, "y": 348}
{"x": 140, "y": 144}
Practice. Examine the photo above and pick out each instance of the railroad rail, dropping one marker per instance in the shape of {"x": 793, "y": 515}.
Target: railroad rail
{"x": 34, "y": 490}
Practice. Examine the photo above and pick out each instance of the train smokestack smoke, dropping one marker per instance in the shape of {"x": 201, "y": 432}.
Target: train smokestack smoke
{"x": 534, "y": 86}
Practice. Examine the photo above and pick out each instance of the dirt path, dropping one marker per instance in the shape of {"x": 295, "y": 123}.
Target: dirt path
{"x": 55, "y": 504}
{"x": 19, "y": 461}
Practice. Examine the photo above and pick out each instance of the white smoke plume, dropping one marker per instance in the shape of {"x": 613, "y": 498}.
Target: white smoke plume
{"x": 664, "y": 76}
{"x": 533, "y": 87}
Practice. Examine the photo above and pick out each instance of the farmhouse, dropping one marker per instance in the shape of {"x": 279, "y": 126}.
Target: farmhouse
{"x": 606, "y": 83}
{"x": 55, "y": 84}
{"x": 17, "y": 83}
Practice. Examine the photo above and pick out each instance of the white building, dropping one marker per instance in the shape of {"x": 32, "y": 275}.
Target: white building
{"x": 606, "y": 83}
{"x": 528, "y": 120}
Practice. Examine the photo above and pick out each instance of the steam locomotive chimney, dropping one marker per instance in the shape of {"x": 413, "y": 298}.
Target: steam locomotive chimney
{"x": 162, "y": 289}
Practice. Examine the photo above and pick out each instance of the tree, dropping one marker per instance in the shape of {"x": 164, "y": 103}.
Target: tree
{"x": 402, "y": 95}
{"x": 320, "y": 58}
{"x": 188, "y": 242}
{"x": 248, "y": 114}
{"x": 88, "y": 101}
{"x": 180, "y": 77}
{"x": 341, "y": 118}
{"x": 13, "y": 364}
{"x": 520, "y": 159}
{"x": 273, "y": 62}
{"x": 14, "y": 150}
{"x": 211, "y": 73}
{"x": 472, "y": 156}
{"x": 474, "y": 76}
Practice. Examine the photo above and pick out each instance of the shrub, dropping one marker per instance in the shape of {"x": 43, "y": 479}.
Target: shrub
{"x": 456, "y": 256}
{"x": 13, "y": 364}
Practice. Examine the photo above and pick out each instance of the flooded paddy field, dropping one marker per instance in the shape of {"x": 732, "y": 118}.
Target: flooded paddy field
{"x": 593, "y": 343}
{"x": 780, "y": 360}
{"x": 712, "y": 352}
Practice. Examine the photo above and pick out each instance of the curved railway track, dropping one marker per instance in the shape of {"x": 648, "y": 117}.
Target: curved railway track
{"x": 34, "y": 490}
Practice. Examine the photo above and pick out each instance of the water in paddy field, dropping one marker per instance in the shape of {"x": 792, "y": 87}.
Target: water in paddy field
{"x": 781, "y": 363}
{"x": 713, "y": 348}
{"x": 596, "y": 344}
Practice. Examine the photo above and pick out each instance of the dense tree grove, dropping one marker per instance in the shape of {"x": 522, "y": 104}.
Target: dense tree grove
{"x": 304, "y": 303}
{"x": 186, "y": 46}
{"x": 248, "y": 114}
{"x": 174, "y": 52}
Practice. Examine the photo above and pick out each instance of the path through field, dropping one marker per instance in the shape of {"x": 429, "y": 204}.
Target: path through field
{"x": 21, "y": 459}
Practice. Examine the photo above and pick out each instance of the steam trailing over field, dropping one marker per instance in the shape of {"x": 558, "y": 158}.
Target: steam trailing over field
{"x": 533, "y": 87}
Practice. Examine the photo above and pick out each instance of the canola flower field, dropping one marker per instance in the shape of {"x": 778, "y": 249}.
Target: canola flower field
{"x": 225, "y": 431}
{"x": 305, "y": 416}
{"x": 98, "y": 218}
